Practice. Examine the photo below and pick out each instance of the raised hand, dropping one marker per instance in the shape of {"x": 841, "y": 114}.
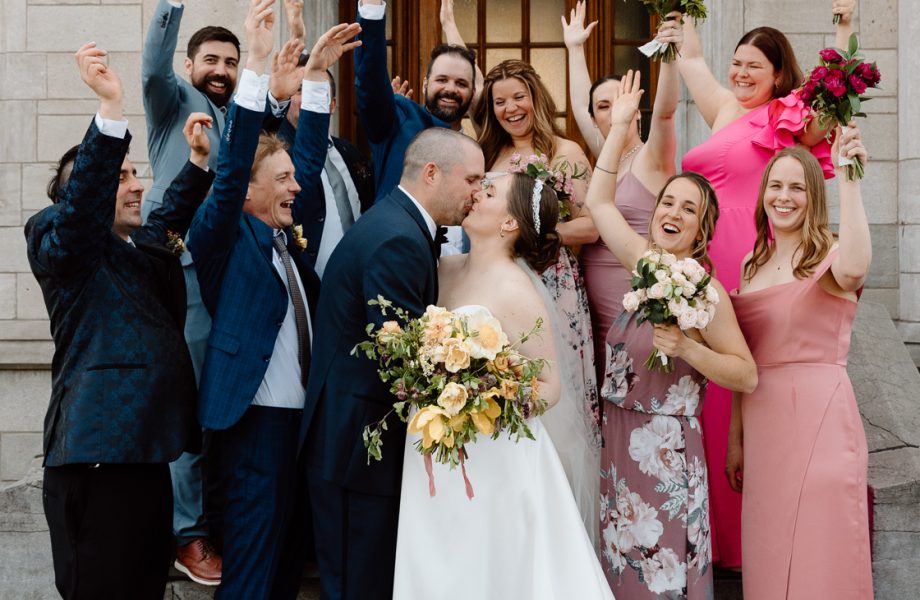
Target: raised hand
{"x": 286, "y": 75}
{"x": 447, "y": 14}
{"x": 843, "y": 11}
{"x": 293, "y": 10}
{"x": 100, "y": 78}
{"x": 197, "y": 138}
{"x": 850, "y": 143}
{"x": 574, "y": 32}
{"x": 629, "y": 93}
{"x": 259, "y": 38}
{"x": 330, "y": 47}
{"x": 671, "y": 30}
{"x": 402, "y": 87}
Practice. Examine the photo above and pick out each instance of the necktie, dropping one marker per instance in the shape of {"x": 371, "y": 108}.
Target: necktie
{"x": 300, "y": 310}
{"x": 340, "y": 193}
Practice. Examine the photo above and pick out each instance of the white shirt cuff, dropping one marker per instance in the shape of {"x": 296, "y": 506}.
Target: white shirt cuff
{"x": 112, "y": 128}
{"x": 372, "y": 12}
{"x": 175, "y": 3}
{"x": 279, "y": 107}
{"x": 315, "y": 96}
{"x": 252, "y": 91}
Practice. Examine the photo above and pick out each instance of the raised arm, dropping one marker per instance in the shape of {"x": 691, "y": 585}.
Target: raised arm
{"x": 452, "y": 35}
{"x": 373, "y": 87}
{"x": 158, "y": 79}
{"x": 293, "y": 10}
{"x": 661, "y": 147}
{"x": 575, "y": 35}
{"x": 855, "y": 254}
{"x": 843, "y": 12}
{"x": 708, "y": 94}
{"x": 627, "y": 245}
{"x": 579, "y": 229}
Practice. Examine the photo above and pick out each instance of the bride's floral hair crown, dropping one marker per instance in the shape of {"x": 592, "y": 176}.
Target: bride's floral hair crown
{"x": 556, "y": 175}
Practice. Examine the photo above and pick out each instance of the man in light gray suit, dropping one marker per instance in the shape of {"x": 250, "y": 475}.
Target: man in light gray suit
{"x": 211, "y": 66}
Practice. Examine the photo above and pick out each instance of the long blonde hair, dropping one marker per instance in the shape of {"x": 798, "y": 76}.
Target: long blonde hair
{"x": 493, "y": 138}
{"x": 817, "y": 237}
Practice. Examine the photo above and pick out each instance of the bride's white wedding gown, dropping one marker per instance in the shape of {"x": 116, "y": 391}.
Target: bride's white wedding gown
{"x": 520, "y": 537}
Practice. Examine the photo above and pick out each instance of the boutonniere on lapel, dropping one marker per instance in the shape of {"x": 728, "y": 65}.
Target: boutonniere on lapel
{"x": 174, "y": 243}
{"x": 299, "y": 239}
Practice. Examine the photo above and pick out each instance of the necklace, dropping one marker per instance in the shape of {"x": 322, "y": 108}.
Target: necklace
{"x": 630, "y": 152}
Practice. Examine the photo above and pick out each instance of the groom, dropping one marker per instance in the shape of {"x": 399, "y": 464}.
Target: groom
{"x": 391, "y": 252}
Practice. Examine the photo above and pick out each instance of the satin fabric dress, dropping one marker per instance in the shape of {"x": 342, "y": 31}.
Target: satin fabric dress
{"x": 733, "y": 160}
{"x": 805, "y": 531}
{"x": 606, "y": 280}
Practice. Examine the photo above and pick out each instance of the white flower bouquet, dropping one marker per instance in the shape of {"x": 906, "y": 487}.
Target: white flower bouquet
{"x": 667, "y": 290}
{"x": 460, "y": 373}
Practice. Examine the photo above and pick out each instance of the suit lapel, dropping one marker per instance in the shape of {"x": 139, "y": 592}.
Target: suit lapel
{"x": 262, "y": 235}
{"x": 404, "y": 202}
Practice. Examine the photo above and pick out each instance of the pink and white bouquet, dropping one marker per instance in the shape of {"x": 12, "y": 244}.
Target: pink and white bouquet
{"x": 668, "y": 290}
{"x": 461, "y": 376}
{"x": 556, "y": 176}
{"x": 834, "y": 91}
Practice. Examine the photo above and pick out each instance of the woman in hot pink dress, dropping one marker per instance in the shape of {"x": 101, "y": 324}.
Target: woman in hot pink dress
{"x": 758, "y": 115}
{"x": 797, "y": 446}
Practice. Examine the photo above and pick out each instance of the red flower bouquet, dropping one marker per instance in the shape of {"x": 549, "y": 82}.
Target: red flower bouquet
{"x": 834, "y": 91}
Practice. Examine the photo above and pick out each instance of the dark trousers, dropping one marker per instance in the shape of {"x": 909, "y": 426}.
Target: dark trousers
{"x": 355, "y": 540}
{"x": 111, "y": 530}
{"x": 256, "y": 474}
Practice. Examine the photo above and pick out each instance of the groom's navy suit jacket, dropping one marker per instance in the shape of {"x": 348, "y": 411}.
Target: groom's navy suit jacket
{"x": 240, "y": 287}
{"x": 123, "y": 389}
{"x": 388, "y": 252}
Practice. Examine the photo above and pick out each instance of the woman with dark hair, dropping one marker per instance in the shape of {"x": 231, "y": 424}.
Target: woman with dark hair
{"x": 521, "y": 535}
{"x": 654, "y": 494}
{"x": 751, "y": 120}
{"x": 643, "y": 168}
{"x": 798, "y": 438}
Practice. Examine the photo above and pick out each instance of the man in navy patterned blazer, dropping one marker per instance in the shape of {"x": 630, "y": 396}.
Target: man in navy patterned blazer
{"x": 123, "y": 389}
{"x": 260, "y": 291}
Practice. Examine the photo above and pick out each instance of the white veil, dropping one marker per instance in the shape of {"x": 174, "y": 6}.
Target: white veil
{"x": 569, "y": 424}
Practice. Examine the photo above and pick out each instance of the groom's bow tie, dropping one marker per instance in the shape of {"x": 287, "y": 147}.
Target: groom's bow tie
{"x": 439, "y": 238}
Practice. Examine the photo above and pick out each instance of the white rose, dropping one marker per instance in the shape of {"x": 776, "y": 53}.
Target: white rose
{"x": 687, "y": 319}
{"x": 656, "y": 292}
{"x": 702, "y": 319}
{"x": 661, "y": 276}
{"x": 630, "y": 301}
{"x": 712, "y": 294}
{"x": 679, "y": 278}
{"x": 453, "y": 398}
{"x": 652, "y": 256}
{"x": 688, "y": 290}
{"x": 668, "y": 259}
{"x": 694, "y": 271}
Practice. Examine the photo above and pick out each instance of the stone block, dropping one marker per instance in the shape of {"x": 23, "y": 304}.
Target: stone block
{"x": 910, "y": 332}
{"x": 909, "y": 88}
{"x": 878, "y": 24}
{"x": 30, "y": 304}
{"x": 789, "y": 16}
{"x": 25, "y": 330}
{"x": 13, "y": 28}
{"x": 64, "y": 79}
{"x": 13, "y": 251}
{"x": 884, "y": 270}
{"x": 26, "y": 569}
{"x": 7, "y": 296}
{"x": 910, "y": 248}
{"x": 880, "y": 105}
{"x": 909, "y": 190}
{"x": 910, "y": 297}
{"x": 30, "y": 354}
{"x": 887, "y": 297}
{"x": 17, "y": 136}
{"x": 35, "y": 177}
{"x": 229, "y": 14}
{"x": 887, "y": 61}
{"x": 880, "y": 135}
{"x": 57, "y": 133}
{"x": 128, "y": 67}
{"x": 86, "y": 108}
{"x": 806, "y": 47}
{"x": 22, "y": 76}
{"x": 10, "y": 194}
{"x": 115, "y": 28}
{"x": 879, "y": 194}
{"x": 17, "y": 451}
{"x": 137, "y": 125}
{"x": 24, "y": 399}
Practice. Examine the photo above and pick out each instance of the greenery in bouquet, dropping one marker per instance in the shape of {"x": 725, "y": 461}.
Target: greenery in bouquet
{"x": 670, "y": 291}
{"x": 560, "y": 176}
{"x": 695, "y": 9}
{"x": 834, "y": 90}
{"x": 460, "y": 374}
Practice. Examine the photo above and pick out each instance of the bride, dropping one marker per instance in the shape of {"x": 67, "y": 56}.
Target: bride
{"x": 523, "y": 533}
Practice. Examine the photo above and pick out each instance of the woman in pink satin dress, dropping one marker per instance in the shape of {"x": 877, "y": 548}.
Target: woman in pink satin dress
{"x": 797, "y": 443}
{"x": 758, "y": 115}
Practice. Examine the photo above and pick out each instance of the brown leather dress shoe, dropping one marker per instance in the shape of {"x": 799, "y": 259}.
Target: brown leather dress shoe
{"x": 199, "y": 561}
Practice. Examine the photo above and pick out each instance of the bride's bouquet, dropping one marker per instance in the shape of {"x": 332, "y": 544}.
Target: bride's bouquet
{"x": 834, "y": 91}
{"x": 695, "y": 9}
{"x": 460, "y": 374}
{"x": 667, "y": 290}
{"x": 560, "y": 176}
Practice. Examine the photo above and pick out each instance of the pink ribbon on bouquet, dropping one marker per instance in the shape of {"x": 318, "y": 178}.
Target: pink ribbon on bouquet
{"x": 429, "y": 469}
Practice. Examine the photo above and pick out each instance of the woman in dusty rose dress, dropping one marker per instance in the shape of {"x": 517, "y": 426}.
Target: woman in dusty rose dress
{"x": 751, "y": 120}
{"x": 644, "y": 168}
{"x": 797, "y": 443}
{"x": 654, "y": 492}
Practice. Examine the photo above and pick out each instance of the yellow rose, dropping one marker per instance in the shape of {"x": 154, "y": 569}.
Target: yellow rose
{"x": 486, "y": 336}
{"x": 452, "y": 398}
{"x": 509, "y": 389}
{"x": 485, "y": 420}
{"x": 431, "y": 422}
{"x": 499, "y": 365}
{"x": 387, "y": 331}
{"x": 456, "y": 355}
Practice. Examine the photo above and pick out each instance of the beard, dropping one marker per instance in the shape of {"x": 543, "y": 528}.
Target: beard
{"x": 220, "y": 99}
{"x": 445, "y": 114}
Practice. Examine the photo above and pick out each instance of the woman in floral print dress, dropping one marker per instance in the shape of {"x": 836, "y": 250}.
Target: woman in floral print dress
{"x": 654, "y": 517}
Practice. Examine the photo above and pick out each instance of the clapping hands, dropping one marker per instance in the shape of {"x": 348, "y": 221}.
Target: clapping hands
{"x": 105, "y": 83}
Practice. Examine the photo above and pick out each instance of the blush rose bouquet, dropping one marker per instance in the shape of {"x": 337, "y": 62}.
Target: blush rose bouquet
{"x": 668, "y": 290}
{"x": 454, "y": 377}
{"x": 834, "y": 91}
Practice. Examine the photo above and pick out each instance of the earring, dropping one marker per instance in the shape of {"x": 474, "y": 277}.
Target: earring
{"x": 501, "y": 233}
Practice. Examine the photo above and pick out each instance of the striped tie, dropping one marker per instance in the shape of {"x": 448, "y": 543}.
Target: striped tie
{"x": 300, "y": 310}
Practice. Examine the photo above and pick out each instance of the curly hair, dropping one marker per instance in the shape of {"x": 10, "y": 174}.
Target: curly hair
{"x": 817, "y": 237}
{"x": 494, "y": 138}
{"x": 539, "y": 248}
